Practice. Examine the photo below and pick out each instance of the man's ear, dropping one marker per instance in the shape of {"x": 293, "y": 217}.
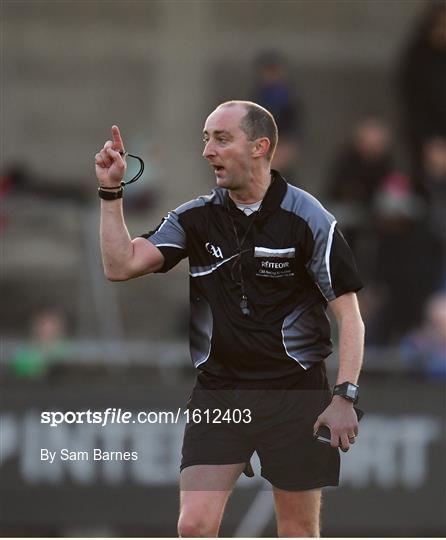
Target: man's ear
{"x": 261, "y": 147}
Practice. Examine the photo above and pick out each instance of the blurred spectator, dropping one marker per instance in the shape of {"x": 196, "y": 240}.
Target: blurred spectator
{"x": 273, "y": 90}
{"x": 405, "y": 265}
{"x": 432, "y": 183}
{"x": 424, "y": 349}
{"x": 46, "y": 346}
{"x": 422, "y": 81}
{"x": 358, "y": 173}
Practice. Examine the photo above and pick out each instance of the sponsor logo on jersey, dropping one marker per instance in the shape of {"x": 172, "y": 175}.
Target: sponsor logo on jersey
{"x": 269, "y": 264}
{"x": 278, "y": 268}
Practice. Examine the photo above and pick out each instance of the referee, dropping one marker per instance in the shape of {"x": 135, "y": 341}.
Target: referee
{"x": 265, "y": 260}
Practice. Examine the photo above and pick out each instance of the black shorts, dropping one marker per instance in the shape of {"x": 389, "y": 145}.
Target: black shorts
{"x": 279, "y": 427}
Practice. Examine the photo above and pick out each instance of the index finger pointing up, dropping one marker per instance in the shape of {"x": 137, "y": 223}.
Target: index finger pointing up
{"x": 118, "y": 145}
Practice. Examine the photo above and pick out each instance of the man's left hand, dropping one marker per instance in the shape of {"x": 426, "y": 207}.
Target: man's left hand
{"x": 341, "y": 418}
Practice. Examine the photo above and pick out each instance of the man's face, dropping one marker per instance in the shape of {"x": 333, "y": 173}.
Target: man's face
{"x": 227, "y": 148}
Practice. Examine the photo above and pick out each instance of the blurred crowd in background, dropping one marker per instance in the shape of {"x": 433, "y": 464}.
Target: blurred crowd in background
{"x": 391, "y": 209}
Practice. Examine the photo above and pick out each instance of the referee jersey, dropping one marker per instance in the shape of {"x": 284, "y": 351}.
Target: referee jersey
{"x": 291, "y": 259}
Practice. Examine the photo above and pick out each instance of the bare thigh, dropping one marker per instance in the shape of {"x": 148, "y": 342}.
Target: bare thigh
{"x": 298, "y": 512}
{"x": 204, "y": 492}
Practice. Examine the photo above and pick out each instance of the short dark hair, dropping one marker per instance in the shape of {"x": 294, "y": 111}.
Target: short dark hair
{"x": 257, "y": 123}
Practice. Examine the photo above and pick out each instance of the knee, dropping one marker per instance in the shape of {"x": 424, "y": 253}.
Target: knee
{"x": 298, "y": 530}
{"x": 194, "y": 526}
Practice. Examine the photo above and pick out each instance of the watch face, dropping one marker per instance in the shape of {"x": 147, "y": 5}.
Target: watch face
{"x": 348, "y": 390}
{"x": 352, "y": 391}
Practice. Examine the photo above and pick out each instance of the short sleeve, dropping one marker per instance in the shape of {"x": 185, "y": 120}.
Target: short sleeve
{"x": 170, "y": 238}
{"x": 342, "y": 266}
{"x": 331, "y": 264}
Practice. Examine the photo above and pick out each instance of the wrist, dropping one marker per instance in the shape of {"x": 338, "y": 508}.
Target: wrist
{"x": 110, "y": 194}
{"x": 342, "y": 400}
{"x": 347, "y": 391}
{"x": 114, "y": 187}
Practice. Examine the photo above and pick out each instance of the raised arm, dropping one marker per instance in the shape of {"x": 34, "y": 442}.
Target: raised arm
{"x": 122, "y": 258}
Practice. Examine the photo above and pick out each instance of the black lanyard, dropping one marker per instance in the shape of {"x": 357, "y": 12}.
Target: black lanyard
{"x": 138, "y": 174}
{"x": 244, "y": 306}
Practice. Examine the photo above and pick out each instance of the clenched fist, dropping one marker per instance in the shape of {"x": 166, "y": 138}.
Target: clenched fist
{"x": 110, "y": 164}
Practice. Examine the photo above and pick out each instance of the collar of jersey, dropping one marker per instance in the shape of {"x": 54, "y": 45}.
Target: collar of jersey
{"x": 272, "y": 199}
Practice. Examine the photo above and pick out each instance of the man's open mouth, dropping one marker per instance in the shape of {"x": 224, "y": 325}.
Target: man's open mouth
{"x": 218, "y": 168}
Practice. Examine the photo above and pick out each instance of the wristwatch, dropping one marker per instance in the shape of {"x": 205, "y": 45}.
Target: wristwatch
{"x": 348, "y": 391}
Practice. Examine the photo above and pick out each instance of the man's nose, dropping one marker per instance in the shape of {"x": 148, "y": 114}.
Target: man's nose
{"x": 208, "y": 150}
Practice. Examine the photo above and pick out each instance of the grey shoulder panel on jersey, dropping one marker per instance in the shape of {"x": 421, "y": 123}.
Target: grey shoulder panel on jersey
{"x": 170, "y": 232}
{"x": 304, "y": 205}
{"x": 215, "y": 197}
{"x": 322, "y": 225}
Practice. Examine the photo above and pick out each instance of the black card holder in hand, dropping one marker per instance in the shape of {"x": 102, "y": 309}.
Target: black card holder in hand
{"x": 323, "y": 434}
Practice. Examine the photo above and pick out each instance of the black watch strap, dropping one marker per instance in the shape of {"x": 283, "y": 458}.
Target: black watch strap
{"x": 348, "y": 391}
{"x": 110, "y": 195}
